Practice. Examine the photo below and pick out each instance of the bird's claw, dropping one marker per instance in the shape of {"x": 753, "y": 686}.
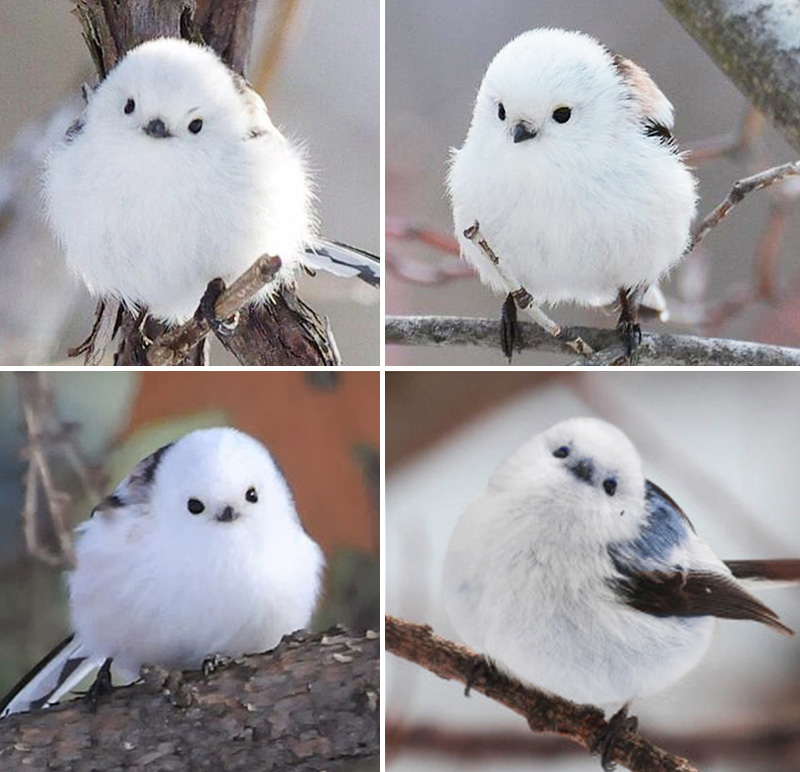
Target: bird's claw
{"x": 213, "y": 663}
{"x": 606, "y": 743}
{"x": 509, "y": 328}
{"x": 630, "y": 334}
{"x": 101, "y": 687}
{"x": 221, "y": 327}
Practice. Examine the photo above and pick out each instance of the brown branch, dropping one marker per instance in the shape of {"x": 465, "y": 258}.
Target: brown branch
{"x": 177, "y": 343}
{"x": 583, "y": 724}
{"x": 312, "y": 703}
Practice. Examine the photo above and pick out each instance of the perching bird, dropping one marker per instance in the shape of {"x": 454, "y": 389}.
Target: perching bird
{"x": 198, "y": 552}
{"x": 570, "y": 174}
{"x": 575, "y": 573}
{"x": 174, "y": 176}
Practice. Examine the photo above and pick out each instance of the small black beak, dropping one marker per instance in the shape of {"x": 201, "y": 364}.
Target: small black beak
{"x": 228, "y": 515}
{"x": 583, "y": 470}
{"x": 522, "y": 132}
{"x": 157, "y": 129}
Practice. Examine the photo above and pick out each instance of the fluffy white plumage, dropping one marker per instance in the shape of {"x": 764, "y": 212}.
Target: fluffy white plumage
{"x": 541, "y": 570}
{"x": 584, "y": 202}
{"x": 199, "y": 551}
{"x": 150, "y": 216}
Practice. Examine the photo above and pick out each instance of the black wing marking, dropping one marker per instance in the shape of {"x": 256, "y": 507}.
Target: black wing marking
{"x": 344, "y": 260}
{"x": 691, "y": 594}
{"x": 660, "y": 132}
{"x": 135, "y": 488}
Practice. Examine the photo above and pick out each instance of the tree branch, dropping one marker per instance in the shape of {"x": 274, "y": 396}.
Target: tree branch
{"x": 755, "y": 44}
{"x": 739, "y": 190}
{"x": 583, "y": 724}
{"x": 312, "y": 703}
{"x": 654, "y": 349}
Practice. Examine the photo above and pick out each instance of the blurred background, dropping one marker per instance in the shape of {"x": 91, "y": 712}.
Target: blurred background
{"x": 92, "y": 428}
{"x": 436, "y": 54}
{"x": 723, "y": 445}
{"x": 320, "y": 76}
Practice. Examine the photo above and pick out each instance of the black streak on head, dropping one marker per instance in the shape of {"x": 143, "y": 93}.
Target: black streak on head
{"x": 150, "y": 464}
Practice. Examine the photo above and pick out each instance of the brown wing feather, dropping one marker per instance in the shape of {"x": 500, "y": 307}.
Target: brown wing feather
{"x": 694, "y": 593}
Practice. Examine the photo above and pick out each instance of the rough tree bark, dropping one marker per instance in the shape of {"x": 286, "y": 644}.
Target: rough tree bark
{"x": 286, "y": 333}
{"x": 310, "y": 704}
{"x": 755, "y": 43}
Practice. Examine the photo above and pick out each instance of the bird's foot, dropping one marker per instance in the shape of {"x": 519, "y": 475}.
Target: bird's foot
{"x": 482, "y": 668}
{"x": 221, "y": 327}
{"x": 630, "y": 334}
{"x": 214, "y": 662}
{"x": 509, "y": 328}
{"x": 617, "y": 725}
{"x": 101, "y": 687}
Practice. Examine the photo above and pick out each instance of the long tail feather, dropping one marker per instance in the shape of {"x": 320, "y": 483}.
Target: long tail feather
{"x": 766, "y": 574}
{"x": 55, "y": 675}
{"x": 345, "y": 261}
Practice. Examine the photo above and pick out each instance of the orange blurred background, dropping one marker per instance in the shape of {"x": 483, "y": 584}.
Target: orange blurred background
{"x": 312, "y": 422}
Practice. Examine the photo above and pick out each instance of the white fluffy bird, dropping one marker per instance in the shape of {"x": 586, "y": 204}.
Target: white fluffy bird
{"x": 198, "y": 552}
{"x": 575, "y": 573}
{"x": 174, "y": 176}
{"x": 570, "y": 171}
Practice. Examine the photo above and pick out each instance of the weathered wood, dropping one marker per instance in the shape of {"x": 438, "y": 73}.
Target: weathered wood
{"x": 311, "y": 704}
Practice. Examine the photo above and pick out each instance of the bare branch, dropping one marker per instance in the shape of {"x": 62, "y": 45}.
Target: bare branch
{"x": 739, "y": 190}
{"x": 654, "y": 349}
{"x": 51, "y": 442}
{"x": 583, "y": 724}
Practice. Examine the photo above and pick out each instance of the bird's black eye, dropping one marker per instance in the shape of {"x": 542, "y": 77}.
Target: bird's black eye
{"x": 130, "y": 106}
{"x": 610, "y": 486}
{"x": 251, "y": 495}
{"x": 195, "y": 506}
{"x": 561, "y": 452}
{"x": 501, "y": 111}
{"x": 562, "y": 114}
{"x": 196, "y": 125}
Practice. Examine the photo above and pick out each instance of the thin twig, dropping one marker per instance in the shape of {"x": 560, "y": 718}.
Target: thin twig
{"x": 654, "y": 349}
{"x": 49, "y": 440}
{"x": 583, "y": 724}
{"x": 175, "y": 344}
{"x": 739, "y": 190}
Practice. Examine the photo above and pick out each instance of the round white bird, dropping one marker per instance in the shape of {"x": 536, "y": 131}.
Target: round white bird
{"x": 198, "y": 552}
{"x": 570, "y": 170}
{"x": 575, "y": 573}
{"x": 174, "y": 176}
